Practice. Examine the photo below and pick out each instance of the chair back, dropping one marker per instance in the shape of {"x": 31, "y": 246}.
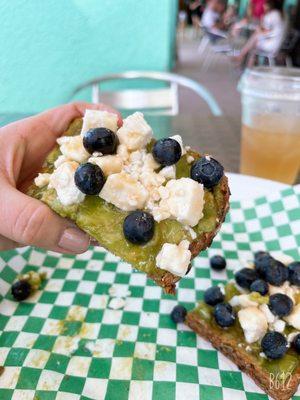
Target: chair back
{"x": 163, "y": 101}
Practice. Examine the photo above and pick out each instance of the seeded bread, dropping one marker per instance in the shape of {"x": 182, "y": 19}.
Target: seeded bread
{"x": 163, "y": 278}
{"x": 243, "y": 359}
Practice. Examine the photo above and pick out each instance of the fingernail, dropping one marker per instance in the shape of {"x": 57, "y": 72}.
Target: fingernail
{"x": 74, "y": 240}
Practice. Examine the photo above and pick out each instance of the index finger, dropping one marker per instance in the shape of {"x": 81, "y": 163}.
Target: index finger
{"x": 43, "y": 129}
{"x": 58, "y": 119}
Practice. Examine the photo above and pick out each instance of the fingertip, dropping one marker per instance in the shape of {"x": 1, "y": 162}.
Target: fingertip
{"x": 74, "y": 240}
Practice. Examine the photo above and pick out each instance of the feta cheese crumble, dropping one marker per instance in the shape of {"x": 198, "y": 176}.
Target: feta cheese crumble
{"x": 291, "y": 336}
{"x": 42, "y": 180}
{"x": 268, "y": 314}
{"x": 117, "y": 303}
{"x": 123, "y": 152}
{"x": 185, "y": 200}
{"x": 278, "y": 326}
{"x": 174, "y": 258}
{"x": 135, "y": 132}
{"x": 190, "y": 231}
{"x": 124, "y": 192}
{"x": 168, "y": 172}
{"x": 72, "y": 148}
{"x": 294, "y": 318}
{"x": 110, "y": 164}
{"x": 99, "y": 119}
{"x": 62, "y": 180}
{"x": 253, "y": 323}
{"x": 60, "y": 160}
{"x": 178, "y": 139}
{"x": 243, "y": 301}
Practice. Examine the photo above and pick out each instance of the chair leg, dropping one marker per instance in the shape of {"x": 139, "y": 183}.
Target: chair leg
{"x": 207, "y": 61}
{"x": 95, "y": 94}
{"x": 259, "y": 58}
{"x": 206, "y": 54}
{"x": 203, "y": 45}
{"x": 288, "y": 61}
{"x": 271, "y": 61}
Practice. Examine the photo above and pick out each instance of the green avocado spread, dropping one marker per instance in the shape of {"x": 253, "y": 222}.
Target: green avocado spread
{"x": 104, "y": 222}
{"x": 280, "y": 368}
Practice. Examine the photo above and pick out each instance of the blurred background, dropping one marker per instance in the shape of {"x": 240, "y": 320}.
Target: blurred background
{"x": 57, "y": 51}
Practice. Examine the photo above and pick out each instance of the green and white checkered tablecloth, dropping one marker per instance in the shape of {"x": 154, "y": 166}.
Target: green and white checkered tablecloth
{"x": 65, "y": 343}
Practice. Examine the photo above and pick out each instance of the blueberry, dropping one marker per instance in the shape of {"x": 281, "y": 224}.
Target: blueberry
{"x": 276, "y": 273}
{"x": 260, "y": 253}
{"x": 213, "y": 296}
{"x": 21, "y": 290}
{"x": 166, "y": 151}
{"x": 178, "y": 314}
{"x": 262, "y": 261}
{"x": 89, "y": 178}
{"x": 224, "y": 315}
{"x": 274, "y": 345}
{"x": 245, "y": 277}
{"x": 207, "y": 171}
{"x": 296, "y": 343}
{"x": 217, "y": 262}
{"x": 100, "y": 139}
{"x": 294, "y": 273}
{"x": 138, "y": 227}
{"x": 280, "y": 304}
{"x": 260, "y": 287}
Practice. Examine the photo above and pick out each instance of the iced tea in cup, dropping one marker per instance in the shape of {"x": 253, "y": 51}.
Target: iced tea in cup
{"x": 270, "y": 142}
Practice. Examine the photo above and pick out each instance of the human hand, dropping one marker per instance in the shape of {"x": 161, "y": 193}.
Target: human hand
{"x": 24, "y": 145}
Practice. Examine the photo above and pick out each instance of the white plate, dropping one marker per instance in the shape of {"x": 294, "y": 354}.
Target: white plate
{"x": 245, "y": 187}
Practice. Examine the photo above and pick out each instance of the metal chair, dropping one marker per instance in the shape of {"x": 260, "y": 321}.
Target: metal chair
{"x": 289, "y": 40}
{"x": 163, "y": 101}
{"x": 212, "y": 45}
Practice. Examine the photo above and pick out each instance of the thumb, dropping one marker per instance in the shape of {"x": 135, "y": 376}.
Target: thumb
{"x": 7, "y": 244}
{"x": 30, "y": 222}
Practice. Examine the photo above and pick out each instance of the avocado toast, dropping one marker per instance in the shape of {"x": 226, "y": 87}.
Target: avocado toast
{"x": 255, "y": 322}
{"x": 135, "y": 196}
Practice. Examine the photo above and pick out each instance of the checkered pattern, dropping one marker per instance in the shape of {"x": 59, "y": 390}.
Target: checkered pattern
{"x": 65, "y": 343}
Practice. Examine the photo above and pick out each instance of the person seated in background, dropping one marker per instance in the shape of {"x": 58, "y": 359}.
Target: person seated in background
{"x": 257, "y": 10}
{"x": 196, "y": 10}
{"x": 255, "y": 13}
{"x": 230, "y": 16}
{"x": 212, "y": 21}
{"x": 268, "y": 37}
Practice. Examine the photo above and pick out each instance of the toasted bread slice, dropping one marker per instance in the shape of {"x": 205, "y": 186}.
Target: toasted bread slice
{"x": 229, "y": 346}
{"x": 103, "y": 222}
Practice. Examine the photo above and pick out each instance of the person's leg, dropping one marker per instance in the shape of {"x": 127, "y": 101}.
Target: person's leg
{"x": 237, "y": 27}
{"x": 251, "y": 60}
{"x": 250, "y": 44}
{"x": 248, "y": 47}
{"x": 196, "y": 24}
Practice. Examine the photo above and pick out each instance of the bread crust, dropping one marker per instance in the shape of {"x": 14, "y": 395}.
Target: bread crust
{"x": 229, "y": 347}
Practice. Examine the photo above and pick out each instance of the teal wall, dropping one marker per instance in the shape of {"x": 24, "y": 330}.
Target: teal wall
{"x": 50, "y": 46}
